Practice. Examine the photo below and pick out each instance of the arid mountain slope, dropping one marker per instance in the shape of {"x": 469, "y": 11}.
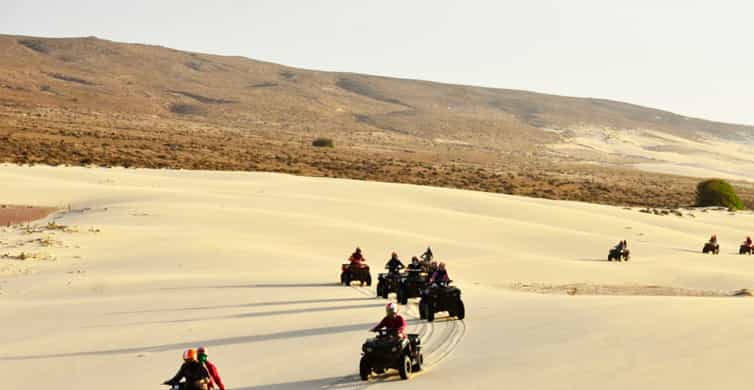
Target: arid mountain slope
{"x": 92, "y": 101}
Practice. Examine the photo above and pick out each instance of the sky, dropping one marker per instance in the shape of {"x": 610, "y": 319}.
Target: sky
{"x": 691, "y": 57}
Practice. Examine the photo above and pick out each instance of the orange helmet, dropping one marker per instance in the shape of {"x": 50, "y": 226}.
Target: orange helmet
{"x": 189, "y": 354}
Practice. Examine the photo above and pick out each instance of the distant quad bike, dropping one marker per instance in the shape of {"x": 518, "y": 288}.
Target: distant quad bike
{"x": 386, "y": 351}
{"x": 440, "y": 297}
{"x": 711, "y": 248}
{"x": 745, "y": 250}
{"x": 619, "y": 255}
{"x": 411, "y": 285}
{"x": 388, "y": 283}
{"x": 355, "y": 272}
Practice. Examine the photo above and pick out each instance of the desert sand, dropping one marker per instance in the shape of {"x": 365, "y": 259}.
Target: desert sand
{"x": 149, "y": 262}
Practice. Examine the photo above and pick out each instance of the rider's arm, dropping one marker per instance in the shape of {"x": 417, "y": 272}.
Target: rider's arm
{"x": 403, "y": 326}
{"x": 378, "y": 326}
{"x": 177, "y": 378}
{"x": 215, "y": 376}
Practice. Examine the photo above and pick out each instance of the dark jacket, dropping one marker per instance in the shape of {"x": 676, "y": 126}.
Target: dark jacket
{"x": 196, "y": 375}
{"x": 440, "y": 276}
{"x": 394, "y": 265}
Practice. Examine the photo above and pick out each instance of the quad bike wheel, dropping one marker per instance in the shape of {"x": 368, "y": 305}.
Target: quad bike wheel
{"x": 380, "y": 287}
{"x": 419, "y": 362}
{"x": 429, "y": 311}
{"x": 402, "y": 296}
{"x": 461, "y": 311}
{"x": 422, "y": 310}
{"x": 369, "y": 280}
{"x": 346, "y": 279}
{"x": 364, "y": 368}
{"x": 405, "y": 369}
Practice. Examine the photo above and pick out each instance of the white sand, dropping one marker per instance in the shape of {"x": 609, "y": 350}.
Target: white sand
{"x": 665, "y": 153}
{"x": 247, "y": 264}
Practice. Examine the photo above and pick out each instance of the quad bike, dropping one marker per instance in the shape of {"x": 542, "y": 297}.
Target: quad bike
{"x": 387, "y": 351}
{"x": 618, "y": 255}
{"x": 745, "y": 249}
{"x": 711, "y": 248}
{"x": 412, "y": 285}
{"x": 388, "y": 283}
{"x": 441, "y": 297}
{"x": 355, "y": 272}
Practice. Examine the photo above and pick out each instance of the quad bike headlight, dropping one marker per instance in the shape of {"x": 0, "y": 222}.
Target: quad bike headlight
{"x": 395, "y": 349}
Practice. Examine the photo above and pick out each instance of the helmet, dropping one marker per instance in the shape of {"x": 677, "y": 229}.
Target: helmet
{"x": 358, "y": 250}
{"x": 414, "y": 259}
{"x": 189, "y": 354}
{"x": 394, "y": 254}
{"x": 442, "y": 265}
{"x": 391, "y": 308}
{"x": 202, "y": 353}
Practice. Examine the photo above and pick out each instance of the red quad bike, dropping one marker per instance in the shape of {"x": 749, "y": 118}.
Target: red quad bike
{"x": 350, "y": 272}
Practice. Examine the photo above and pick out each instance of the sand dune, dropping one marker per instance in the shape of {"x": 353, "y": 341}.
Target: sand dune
{"x": 152, "y": 262}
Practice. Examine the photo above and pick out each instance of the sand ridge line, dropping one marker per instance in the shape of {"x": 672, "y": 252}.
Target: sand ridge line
{"x": 623, "y": 290}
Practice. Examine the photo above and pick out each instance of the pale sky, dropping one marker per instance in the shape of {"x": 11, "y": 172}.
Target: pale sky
{"x": 692, "y": 57}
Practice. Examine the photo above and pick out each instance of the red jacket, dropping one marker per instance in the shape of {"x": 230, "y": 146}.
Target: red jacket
{"x": 214, "y": 376}
{"x": 393, "y": 323}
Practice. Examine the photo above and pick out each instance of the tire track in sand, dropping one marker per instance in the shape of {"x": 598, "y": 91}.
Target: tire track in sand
{"x": 439, "y": 339}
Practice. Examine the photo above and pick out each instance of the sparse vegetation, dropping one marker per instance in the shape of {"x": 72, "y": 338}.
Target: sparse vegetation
{"x": 717, "y": 192}
{"x": 322, "y": 142}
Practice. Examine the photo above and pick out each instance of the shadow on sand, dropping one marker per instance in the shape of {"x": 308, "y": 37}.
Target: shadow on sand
{"x": 218, "y": 341}
{"x": 246, "y": 315}
{"x": 255, "y": 304}
{"x": 332, "y": 383}
{"x": 257, "y": 285}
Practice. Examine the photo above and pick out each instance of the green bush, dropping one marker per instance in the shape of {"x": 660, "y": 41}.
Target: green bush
{"x": 323, "y": 143}
{"x": 717, "y": 192}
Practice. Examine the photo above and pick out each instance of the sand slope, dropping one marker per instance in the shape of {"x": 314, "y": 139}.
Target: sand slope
{"x": 152, "y": 262}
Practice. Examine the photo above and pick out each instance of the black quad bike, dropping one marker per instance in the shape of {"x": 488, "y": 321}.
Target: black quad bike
{"x": 745, "y": 249}
{"x": 353, "y": 272}
{"x": 388, "y": 283}
{"x": 618, "y": 255}
{"x": 441, "y": 297}
{"x": 711, "y": 248}
{"x": 411, "y": 285}
{"x": 387, "y": 351}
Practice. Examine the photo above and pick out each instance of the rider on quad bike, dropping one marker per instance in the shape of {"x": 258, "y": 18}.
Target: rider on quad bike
{"x": 427, "y": 256}
{"x": 357, "y": 258}
{"x": 415, "y": 264}
{"x": 393, "y": 322}
{"x": 196, "y": 374}
{"x": 394, "y": 265}
{"x": 439, "y": 276}
{"x": 215, "y": 381}
{"x": 746, "y": 247}
{"x": 712, "y": 246}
